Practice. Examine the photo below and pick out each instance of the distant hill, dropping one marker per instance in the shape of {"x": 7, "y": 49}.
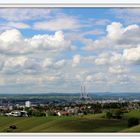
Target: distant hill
{"x": 98, "y": 95}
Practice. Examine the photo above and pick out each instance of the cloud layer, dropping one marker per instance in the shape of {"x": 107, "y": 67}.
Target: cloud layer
{"x": 44, "y": 51}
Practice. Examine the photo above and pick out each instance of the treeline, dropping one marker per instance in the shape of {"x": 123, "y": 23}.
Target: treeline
{"x": 118, "y": 114}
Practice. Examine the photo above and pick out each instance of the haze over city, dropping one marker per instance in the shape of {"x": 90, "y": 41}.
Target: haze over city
{"x": 48, "y": 50}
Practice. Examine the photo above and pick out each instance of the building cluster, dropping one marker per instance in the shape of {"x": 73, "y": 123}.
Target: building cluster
{"x": 73, "y": 111}
{"x": 80, "y": 107}
{"x": 15, "y": 110}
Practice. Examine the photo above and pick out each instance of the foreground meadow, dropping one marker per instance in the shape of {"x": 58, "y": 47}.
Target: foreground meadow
{"x": 87, "y": 123}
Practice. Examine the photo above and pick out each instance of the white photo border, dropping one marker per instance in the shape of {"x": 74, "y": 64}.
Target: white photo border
{"x": 70, "y": 5}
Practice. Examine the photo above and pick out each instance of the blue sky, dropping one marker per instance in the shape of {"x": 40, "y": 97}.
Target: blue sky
{"x": 47, "y": 50}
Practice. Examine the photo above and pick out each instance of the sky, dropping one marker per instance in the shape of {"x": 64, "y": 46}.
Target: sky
{"x": 51, "y": 50}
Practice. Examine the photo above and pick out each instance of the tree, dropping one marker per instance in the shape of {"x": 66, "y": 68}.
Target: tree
{"x": 118, "y": 114}
{"x": 133, "y": 121}
{"x": 109, "y": 115}
{"x": 29, "y": 112}
{"x": 38, "y": 114}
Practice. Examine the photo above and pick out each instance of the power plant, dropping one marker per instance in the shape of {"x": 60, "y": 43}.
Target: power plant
{"x": 83, "y": 93}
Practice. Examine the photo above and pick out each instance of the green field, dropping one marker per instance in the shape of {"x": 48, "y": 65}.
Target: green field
{"x": 136, "y": 114}
{"x": 87, "y": 123}
{"x": 62, "y": 124}
{"x": 133, "y": 113}
{"x": 132, "y": 129}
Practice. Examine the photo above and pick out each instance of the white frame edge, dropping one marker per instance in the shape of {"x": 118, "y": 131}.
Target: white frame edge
{"x": 69, "y": 5}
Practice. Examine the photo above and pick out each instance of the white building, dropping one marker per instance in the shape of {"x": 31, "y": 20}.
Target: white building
{"x": 17, "y": 113}
{"x": 10, "y": 107}
{"x": 27, "y": 104}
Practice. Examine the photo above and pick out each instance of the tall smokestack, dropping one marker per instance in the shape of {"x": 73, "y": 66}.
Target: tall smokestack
{"x": 81, "y": 91}
{"x": 84, "y": 91}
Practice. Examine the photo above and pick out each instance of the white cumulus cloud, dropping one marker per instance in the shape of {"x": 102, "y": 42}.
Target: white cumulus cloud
{"x": 132, "y": 55}
{"x": 12, "y": 42}
{"x": 62, "y": 22}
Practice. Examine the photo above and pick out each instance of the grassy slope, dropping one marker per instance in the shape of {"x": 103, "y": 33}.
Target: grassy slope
{"x": 88, "y": 123}
{"x": 136, "y": 114}
{"x": 132, "y": 129}
{"x": 133, "y": 113}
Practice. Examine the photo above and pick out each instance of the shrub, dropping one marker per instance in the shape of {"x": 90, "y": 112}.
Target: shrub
{"x": 133, "y": 122}
{"x": 12, "y": 126}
